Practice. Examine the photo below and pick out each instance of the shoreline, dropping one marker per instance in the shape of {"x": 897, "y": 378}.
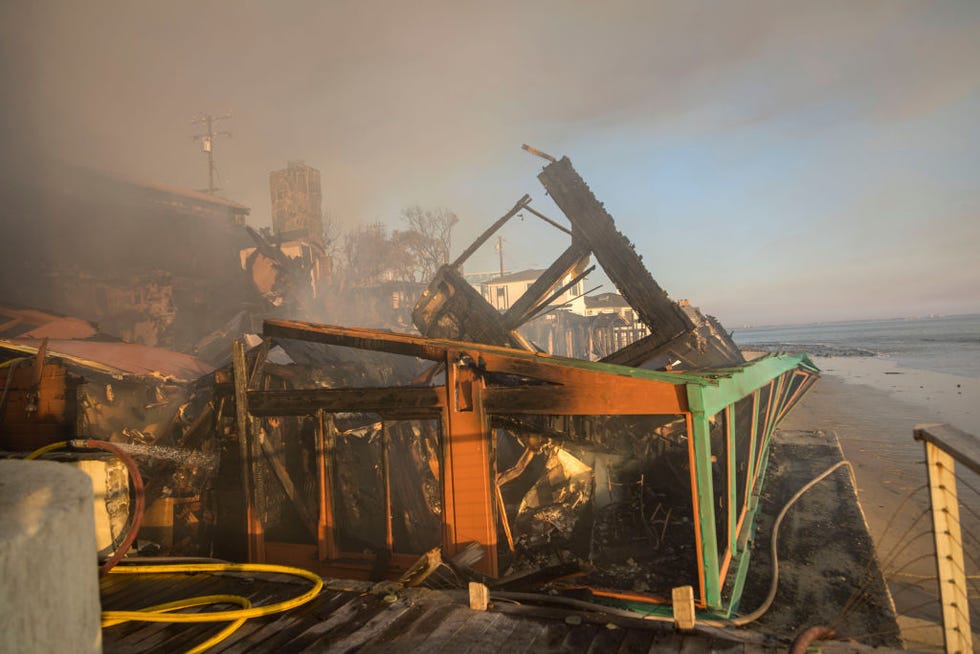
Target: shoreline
{"x": 872, "y": 405}
{"x": 939, "y": 396}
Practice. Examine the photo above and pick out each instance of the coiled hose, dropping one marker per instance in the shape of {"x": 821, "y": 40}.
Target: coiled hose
{"x": 165, "y": 612}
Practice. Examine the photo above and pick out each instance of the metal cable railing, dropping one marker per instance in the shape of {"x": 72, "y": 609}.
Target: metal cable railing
{"x": 929, "y": 550}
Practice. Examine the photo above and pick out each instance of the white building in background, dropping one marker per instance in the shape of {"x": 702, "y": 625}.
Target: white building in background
{"x": 609, "y": 303}
{"x": 502, "y": 292}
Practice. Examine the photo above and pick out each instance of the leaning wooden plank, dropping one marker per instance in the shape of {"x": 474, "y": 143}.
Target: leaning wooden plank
{"x": 485, "y": 236}
{"x": 355, "y": 337}
{"x": 275, "y": 462}
{"x": 524, "y": 306}
{"x": 614, "y": 252}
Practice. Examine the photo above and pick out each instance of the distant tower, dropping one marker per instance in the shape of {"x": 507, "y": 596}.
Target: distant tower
{"x": 296, "y": 202}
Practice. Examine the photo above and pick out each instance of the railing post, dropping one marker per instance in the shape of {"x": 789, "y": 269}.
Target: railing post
{"x": 949, "y": 548}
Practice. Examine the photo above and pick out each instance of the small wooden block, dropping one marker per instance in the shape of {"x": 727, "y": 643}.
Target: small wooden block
{"x": 683, "y": 602}
{"x": 479, "y": 596}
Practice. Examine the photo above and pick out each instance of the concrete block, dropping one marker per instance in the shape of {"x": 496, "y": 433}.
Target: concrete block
{"x": 49, "y": 585}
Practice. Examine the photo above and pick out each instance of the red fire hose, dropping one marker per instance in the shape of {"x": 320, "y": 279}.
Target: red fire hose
{"x": 135, "y": 516}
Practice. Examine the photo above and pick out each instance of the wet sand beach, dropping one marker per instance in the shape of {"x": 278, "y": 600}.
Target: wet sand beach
{"x": 872, "y": 406}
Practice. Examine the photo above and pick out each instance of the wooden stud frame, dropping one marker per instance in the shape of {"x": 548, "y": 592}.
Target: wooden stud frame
{"x": 465, "y": 401}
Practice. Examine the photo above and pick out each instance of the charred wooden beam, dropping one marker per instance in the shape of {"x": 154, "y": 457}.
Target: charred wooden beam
{"x": 614, "y": 252}
{"x": 361, "y": 339}
{"x": 485, "y": 236}
{"x": 451, "y": 308}
{"x": 525, "y": 305}
{"x": 489, "y": 358}
{"x": 636, "y": 352}
{"x": 390, "y": 402}
{"x": 707, "y": 345}
{"x": 548, "y": 220}
{"x": 547, "y": 305}
{"x": 610, "y": 398}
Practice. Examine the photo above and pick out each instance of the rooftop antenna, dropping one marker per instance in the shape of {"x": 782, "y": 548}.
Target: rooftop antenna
{"x": 207, "y": 143}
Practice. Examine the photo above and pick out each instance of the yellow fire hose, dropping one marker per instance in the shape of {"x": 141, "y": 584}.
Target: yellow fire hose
{"x": 165, "y": 612}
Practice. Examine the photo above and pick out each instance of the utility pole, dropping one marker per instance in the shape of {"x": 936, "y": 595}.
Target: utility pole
{"x": 500, "y": 251}
{"x": 207, "y": 143}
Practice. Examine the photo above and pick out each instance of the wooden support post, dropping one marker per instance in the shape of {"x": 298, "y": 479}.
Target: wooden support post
{"x": 386, "y": 479}
{"x": 253, "y": 526}
{"x": 949, "y": 550}
{"x": 325, "y": 543}
{"x": 467, "y": 483}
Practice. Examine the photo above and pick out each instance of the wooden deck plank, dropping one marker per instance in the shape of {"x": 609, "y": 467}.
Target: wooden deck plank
{"x": 404, "y": 631}
{"x": 335, "y": 622}
{"x": 420, "y": 620}
{"x": 176, "y": 635}
{"x": 326, "y": 616}
{"x": 607, "y": 640}
{"x": 580, "y": 637}
{"x": 637, "y": 641}
{"x": 551, "y": 636}
{"x": 371, "y": 629}
{"x": 277, "y": 630}
{"x": 524, "y": 634}
{"x": 497, "y": 632}
{"x": 441, "y": 638}
{"x": 309, "y": 616}
{"x": 146, "y": 591}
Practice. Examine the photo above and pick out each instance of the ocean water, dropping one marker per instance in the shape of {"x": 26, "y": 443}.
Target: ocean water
{"x": 949, "y": 344}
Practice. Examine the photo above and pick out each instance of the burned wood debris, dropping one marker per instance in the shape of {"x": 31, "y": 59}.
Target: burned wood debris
{"x": 615, "y": 476}
{"x": 464, "y": 449}
{"x": 612, "y": 475}
{"x": 680, "y": 336}
{"x": 156, "y": 403}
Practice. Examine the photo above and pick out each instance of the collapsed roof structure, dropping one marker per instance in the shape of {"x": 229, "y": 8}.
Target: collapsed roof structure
{"x": 680, "y": 337}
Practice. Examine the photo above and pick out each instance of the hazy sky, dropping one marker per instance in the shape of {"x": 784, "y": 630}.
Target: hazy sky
{"x": 773, "y": 162}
